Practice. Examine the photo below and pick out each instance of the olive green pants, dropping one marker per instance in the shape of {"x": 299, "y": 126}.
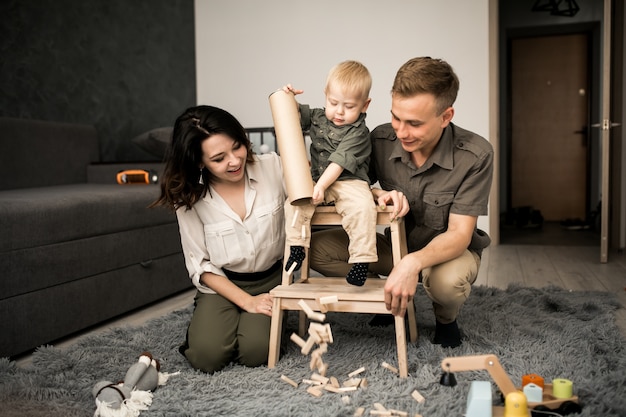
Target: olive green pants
{"x": 448, "y": 284}
{"x": 220, "y": 332}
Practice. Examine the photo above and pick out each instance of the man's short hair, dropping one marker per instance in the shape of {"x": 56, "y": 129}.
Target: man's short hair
{"x": 426, "y": 75}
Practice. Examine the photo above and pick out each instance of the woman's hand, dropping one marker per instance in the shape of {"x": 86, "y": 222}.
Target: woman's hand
{"x": 260, "y": 304}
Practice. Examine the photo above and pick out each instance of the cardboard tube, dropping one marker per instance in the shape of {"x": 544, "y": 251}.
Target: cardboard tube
{"x": 291, "y": 146}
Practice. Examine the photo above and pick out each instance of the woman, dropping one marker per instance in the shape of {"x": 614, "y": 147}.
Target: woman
{"x": 229, "y": 205}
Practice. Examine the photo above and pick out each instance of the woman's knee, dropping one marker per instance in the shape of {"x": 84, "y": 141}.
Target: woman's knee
{"x": 207, "y": 359}
{"x": 253, "y": 354}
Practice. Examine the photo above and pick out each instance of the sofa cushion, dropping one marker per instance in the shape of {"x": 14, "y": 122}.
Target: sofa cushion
{"x": 43, "y": 216}
{"x": 155, "y": 141}
{"x": 37, "y": 153}
{"x": 68, "y": 261}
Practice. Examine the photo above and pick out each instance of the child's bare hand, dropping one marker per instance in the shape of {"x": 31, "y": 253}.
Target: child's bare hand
{"x": 289, "y": 89}
{"x": 318, "y": 195}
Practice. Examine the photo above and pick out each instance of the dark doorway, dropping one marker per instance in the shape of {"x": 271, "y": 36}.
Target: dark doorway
{"x": 549, "y": 167}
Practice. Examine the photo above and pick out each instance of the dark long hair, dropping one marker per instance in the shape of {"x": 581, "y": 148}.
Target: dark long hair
{"x": 180, "y": 186}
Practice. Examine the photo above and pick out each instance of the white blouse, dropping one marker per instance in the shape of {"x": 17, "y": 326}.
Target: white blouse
{"x": 213, "y": 236}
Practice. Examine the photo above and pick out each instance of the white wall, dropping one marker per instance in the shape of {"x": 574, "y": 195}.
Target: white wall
{"x": 245, "y": 49}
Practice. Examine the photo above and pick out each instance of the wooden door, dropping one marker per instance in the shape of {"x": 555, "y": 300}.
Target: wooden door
{"x": 549, "y": 105}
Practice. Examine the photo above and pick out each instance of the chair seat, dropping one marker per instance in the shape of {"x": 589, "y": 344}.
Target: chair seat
{"x": 369, "y": 298}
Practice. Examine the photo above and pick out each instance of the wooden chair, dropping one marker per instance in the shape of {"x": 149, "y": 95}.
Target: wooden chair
{"x": 351, "y": 299}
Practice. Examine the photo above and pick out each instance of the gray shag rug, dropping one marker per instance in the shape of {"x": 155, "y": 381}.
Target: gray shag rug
{"x": 551, "y": 332}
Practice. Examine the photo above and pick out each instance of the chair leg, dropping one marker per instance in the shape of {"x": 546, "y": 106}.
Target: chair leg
{"x": 302, "y": 322}
{"x": 403, "y": 365}
{"x": 412, "y": 323}
{"x": 275, "y": 333}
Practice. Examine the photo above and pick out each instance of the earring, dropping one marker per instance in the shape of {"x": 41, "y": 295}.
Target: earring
{"x": 201, "y": 180}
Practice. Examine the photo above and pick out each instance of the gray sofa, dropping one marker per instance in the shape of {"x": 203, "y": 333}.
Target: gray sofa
{"x": 76, "y": 248}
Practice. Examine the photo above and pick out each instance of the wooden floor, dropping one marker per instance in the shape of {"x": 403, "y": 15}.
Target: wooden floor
{"x": 568, "y": 262}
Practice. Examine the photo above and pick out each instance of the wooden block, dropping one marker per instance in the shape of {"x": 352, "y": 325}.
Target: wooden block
{"x": 322, "y": 368}
{"x": 380, "y": 407}
{"x": 334, "y": 382}
{"x": 315, "y": 335}
{"x": 363, "y": 383}
{"x": 352, "y": 382}
{"x": 330, "y": 388}
{"x": 346, "y": 389}
{"x": 298, "y": 340}
{"x": 314, "y": 391}
{"x": 345, "y": 399}
{"x": 399, "y": 413}
{"x": 322, "y": 348}
{"x": 390, "y": 367}
{"x": 318, "y": 317}
{"x": 358, "y": 371}
{"x": 380, "y": 413}
{"x": 310, "y": 342}
{"x": 291, "y": 268}
{"x": 359, "y": 412}
{"x": 305, "y": 307}
{"x": 329, "y": 333}
{"x": 329, "y": 299}
{"x": 310, "y": 313}
{"x": 289, "y": 380}
{"x": 320, "y": 378}
{"x": 312, "y": 382}
{"x": 315, "y": 360}
{"x": 417, "y": 396}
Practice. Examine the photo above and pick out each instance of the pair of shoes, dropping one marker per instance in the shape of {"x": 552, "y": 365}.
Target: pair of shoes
{"x": 447, "y": 335}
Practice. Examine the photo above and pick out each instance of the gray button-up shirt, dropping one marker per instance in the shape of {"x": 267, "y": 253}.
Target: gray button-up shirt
{"x": 456, "y": 178}
{"x": 348, "y": 146}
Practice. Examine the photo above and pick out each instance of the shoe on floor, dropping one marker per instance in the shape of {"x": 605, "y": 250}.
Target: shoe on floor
{"x": 447, "y": 335}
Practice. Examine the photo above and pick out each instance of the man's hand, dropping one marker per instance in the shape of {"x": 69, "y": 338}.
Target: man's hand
{"x": 401, "y": 285}
{"x": 396, "y": 198}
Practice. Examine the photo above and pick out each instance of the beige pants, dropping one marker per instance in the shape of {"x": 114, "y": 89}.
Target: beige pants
{"x": 354, "y": 202}
{"x": 448, "y": 284}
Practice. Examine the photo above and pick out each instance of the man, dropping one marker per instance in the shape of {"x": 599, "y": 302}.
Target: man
{"x": 438, "y": 176}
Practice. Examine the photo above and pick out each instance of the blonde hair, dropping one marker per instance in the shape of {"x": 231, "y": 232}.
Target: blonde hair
{"x": 352, "y": 76}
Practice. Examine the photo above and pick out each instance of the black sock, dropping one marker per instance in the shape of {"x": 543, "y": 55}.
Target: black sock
{"x": 357, "y": 274}
{"x": 447, "y": 335}
{"x": 296, "y": 255}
